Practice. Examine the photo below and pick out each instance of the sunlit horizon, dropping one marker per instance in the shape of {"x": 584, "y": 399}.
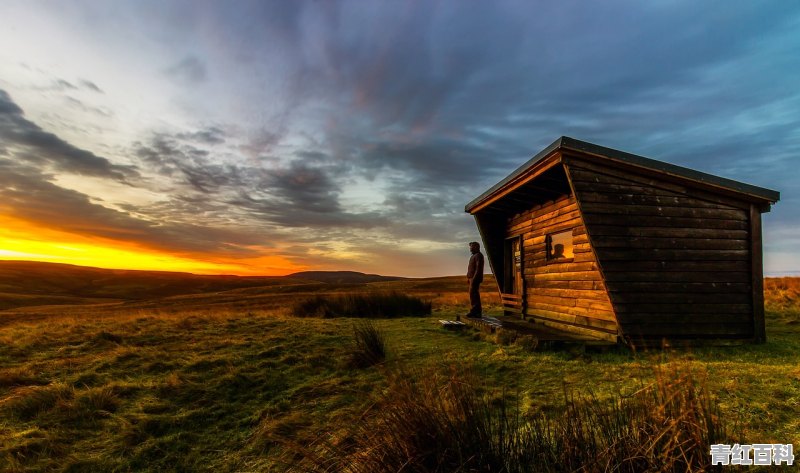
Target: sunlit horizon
{"x": 267, "y": 138}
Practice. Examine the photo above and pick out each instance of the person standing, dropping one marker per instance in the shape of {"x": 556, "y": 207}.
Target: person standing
{"x": 474, "y": 279}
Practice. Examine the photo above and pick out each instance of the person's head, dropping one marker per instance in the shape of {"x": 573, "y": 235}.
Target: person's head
{"x": 558, "y": 250}
{"x": 474, "y": 247}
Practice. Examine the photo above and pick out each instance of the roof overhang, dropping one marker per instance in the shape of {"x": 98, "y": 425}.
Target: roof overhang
{"x": 553, "y": 154}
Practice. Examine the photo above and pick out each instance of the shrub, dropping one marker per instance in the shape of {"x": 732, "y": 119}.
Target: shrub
{"x": 379, "y": 305}
{"x": 370, "y": 345}
{"x": 438, "y": 423}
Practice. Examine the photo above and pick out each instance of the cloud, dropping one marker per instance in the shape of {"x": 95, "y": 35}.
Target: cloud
{"x": 42, "y": 148}
{"x": 210, "y": 136}
{"x": 29, "y": 195}
{"x": 61, "y": 84}
{"x": 349, "y": 125}
{"x": 189, "y": 70}
{"x": 305, "y": 192}
{"x": 87, "y": 84}
{"x": 80, "y": 105}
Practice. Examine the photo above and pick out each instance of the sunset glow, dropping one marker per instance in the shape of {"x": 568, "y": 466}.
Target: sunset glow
{"x": 25, "y": 242}
{"x": 273, "y": 137}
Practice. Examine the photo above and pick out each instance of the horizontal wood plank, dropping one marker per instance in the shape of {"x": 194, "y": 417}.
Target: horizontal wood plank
{"x": 540, "y": 210}
{"x": 670, "y": 243}
{"x": 677, "y": 277}
{"x": 597, "y": 324}
{"x": 662, "y": 221}
{"x": 675, "y": 266}
{"x": 568, "y": 276}
{"x": 644, "y": 318}
{"x": 581, "y": 171}
{"x": 677, "y": 331}
{"x": 598, "y": 314}
{"x": 678, "y": 308}
{"x": 569, "y": 293}
{"x": 617, "y": 187}
{"x": 680, "y": 298}
{"x": 667, "y": 232}
{"x": 626, "y": 198}
{"x": 662, "y": 211}
{"x": 682, "y": 287}
{"x": 657, "y": 254}
{"x": 566, "y": 267}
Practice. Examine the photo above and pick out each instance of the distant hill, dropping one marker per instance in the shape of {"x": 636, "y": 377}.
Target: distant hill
{"x": 31, "y": 283}
{"x": 342, "y": 277}
{"x": 26, "y": 283}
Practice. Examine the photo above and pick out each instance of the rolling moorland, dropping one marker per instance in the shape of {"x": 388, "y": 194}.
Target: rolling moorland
{"x": 115, "y": 371}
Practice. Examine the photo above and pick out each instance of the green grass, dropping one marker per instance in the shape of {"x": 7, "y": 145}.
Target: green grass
{"x": 226, "y": 389}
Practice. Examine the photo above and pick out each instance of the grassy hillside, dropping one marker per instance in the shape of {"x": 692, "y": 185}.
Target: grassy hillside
{"x": 231, "y": 382}
{"x": 341, "y": 277}
{"x": 27, "y": 283}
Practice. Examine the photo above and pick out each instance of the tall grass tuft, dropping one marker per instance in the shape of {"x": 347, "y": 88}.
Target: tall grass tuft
{"x": 369, "y": 345}
{"x": 435, "y": 423}
{"x": 377, "y": 305}
{"x": 28, "y": 402}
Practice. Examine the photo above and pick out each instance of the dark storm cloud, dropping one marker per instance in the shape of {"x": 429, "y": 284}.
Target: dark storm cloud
{"x": 304, "y": 195}
{"x": 189, "y": 70}
{"x": 185, "y": 163}
{"x": 304, "y": 192}
{"x": 434, "y": 162}
{"x": 304, "y": 187}
{"x": 42, "y": 148}
{"x": 503, "y": 78}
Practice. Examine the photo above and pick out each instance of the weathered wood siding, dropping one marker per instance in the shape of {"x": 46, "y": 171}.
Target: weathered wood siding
{"x": 569, "y": 296}
{"x": 676, "y": 261}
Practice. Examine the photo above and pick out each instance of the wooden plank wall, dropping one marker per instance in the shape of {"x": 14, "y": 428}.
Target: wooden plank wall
{"x": 676, "y": 261}
{"x": 568, "y": 296}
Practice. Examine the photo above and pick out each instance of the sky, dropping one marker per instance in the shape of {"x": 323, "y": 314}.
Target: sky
{"x": 268, "y": 137}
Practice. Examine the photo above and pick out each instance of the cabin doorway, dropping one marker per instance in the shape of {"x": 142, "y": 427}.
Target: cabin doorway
{"x": 512, "y": 296}
{"x": 514, "y": 275}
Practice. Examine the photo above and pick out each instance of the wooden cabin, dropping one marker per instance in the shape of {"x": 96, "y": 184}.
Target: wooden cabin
{"x": 612, "y": 246}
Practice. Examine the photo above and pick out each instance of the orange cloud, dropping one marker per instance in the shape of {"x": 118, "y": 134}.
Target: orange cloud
{"x": 21, "y": 240}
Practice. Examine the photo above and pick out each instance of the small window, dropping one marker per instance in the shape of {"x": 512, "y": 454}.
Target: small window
{"x": 559, "y": 246}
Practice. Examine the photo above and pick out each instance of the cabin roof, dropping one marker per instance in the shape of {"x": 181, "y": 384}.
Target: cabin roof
{"x": 601, "y": 152}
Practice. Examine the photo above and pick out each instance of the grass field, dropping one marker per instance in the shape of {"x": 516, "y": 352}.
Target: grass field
{"x": 226, "y": 381}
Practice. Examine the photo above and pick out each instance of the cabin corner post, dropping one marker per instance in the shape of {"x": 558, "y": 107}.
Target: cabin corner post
{"x": 567, "y": 161}
{"x": 757, "y": 275}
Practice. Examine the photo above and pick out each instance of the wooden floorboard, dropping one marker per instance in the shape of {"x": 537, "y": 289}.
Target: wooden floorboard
{"x": 525, "y": 327}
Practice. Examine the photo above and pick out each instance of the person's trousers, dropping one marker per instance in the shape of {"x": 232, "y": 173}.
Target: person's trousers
{"x": 475, "y": 297}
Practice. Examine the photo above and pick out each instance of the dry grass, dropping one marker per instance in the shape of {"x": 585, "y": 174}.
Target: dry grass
{"x": 369, "y": 345}
{"x": 208, "y": 383}
{"x": 430, "y": 422}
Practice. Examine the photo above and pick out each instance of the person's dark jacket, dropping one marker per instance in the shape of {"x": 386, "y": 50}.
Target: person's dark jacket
{"x": 475, "y": 268}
